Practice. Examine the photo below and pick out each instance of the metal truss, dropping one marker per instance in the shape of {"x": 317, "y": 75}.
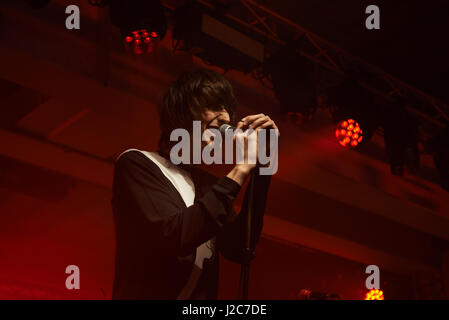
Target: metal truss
{"x": 273, "y": 28}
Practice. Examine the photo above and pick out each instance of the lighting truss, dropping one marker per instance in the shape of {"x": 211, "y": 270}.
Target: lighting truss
{"x": 266, "y": 23}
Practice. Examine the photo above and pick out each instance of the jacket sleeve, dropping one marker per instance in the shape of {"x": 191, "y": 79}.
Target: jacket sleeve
{"x": 139, "y": 186}
{"x": 231, "y": 238}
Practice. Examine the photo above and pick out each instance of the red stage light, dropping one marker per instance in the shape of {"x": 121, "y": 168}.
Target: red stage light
{"x": 375, "y": 294}
{"x": 140, "y": 41}
{"x": 349, "y": 133}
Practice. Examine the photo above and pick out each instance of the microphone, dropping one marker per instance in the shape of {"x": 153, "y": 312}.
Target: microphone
{"x": 225, "y": 127}
{"x": 267, "y": 148}
{"x": 305, "y": 294}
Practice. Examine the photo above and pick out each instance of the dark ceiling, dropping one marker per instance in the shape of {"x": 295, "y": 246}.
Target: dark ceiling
{"x": 412, "y": 43}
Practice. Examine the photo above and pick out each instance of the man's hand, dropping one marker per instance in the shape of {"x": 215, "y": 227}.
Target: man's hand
{"x": 256, "y": 123}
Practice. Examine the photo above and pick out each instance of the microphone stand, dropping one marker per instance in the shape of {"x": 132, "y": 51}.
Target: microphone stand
{"x": 248, "y": 253}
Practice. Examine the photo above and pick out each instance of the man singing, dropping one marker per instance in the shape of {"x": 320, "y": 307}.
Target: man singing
{"x": 172, "y": 220}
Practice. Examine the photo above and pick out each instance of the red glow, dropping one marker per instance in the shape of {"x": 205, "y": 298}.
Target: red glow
{"x": 374, "y": 294}
{"x": 140, "y": 41}
{"x": 138, "y": 50}
{"x": 348, "y": 133}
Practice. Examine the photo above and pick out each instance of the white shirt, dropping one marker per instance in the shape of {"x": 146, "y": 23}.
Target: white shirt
{"x": 183, "y": 183}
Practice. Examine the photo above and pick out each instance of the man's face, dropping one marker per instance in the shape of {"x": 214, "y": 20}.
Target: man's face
{"x": 213, "y": 120}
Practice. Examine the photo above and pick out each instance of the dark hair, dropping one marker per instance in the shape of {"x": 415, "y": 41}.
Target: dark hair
{"x": 187, "y": 97}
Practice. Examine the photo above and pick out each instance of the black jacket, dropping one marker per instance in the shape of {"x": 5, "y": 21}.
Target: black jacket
{"x": 157, "y": 235}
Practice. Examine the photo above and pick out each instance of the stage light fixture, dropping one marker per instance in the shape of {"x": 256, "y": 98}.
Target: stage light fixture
{"x": 375, "y": 294}
{"x": 293, "y": 78}
{"x": 348, "y": 133}
{"x": 306, "y": 294}
{"x": 401, "y": 139}
{"x": 142, "y": 23}
{"x": 355, "y": 112}
{"x": 141, "y": 41}
{"x": 216, "y": 40}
